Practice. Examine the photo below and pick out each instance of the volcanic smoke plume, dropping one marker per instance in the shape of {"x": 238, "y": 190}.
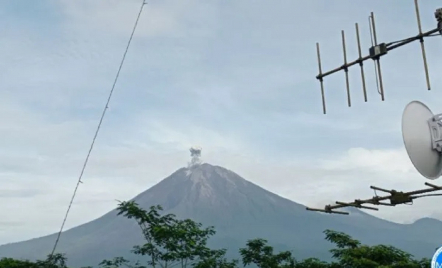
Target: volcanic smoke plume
{"x": 195, "y": 153}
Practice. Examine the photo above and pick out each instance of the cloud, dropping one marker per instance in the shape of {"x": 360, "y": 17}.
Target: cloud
{"x": 236, "y": 78}
{"x": 20, "y": 193}
{"x": 159, "y": 19}
{"x": 361, "y": 159}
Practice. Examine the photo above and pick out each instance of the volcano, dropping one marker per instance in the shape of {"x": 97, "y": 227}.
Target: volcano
{"x": 239, "y": 210}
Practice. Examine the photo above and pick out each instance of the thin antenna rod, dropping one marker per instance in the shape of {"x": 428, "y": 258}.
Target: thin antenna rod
{"x": 374, "y": 62}
{"x": 320, "y": 78}
{"x": 377, "y": 60}
{"x": 421, "y": 39}
{"x": 361, "y": 62}
{"x": 346, "y": 69}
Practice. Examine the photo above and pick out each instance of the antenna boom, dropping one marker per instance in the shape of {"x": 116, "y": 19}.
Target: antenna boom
{"x": 395, "y": 198}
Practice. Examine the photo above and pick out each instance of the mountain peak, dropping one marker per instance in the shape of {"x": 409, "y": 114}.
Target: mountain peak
{"x": 204, "y": 189}
{"x": 239, "y": 209}
{"x": 202, "y": 177}
{"x": 427, "y": 220}
{"x": 206, "y": 171}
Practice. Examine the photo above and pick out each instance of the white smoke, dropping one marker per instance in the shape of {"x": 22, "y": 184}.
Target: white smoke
{"x": 195, "y": 153}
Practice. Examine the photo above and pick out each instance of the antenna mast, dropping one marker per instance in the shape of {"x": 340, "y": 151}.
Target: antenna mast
{"x": 376, "y": 51}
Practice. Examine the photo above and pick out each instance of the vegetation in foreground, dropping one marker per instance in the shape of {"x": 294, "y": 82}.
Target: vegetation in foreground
{"x": 171, "y": 242}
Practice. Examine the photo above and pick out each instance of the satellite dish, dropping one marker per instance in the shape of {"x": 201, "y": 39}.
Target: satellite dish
{"x": 420, "y": 131}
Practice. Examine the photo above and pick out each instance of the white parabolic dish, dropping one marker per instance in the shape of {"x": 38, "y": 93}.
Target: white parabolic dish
{"x": 418, "y": 140}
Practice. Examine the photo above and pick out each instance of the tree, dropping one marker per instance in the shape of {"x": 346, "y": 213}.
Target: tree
{"x": 169, "y": 241}
{"x": 12, "y": 263}
{"x": 217, "y": 260}
{"x": 259, "y": 253}
{"x": 352, "y": 254}
{"x": 52, "y": 261}
{"x": 315, "y": 263}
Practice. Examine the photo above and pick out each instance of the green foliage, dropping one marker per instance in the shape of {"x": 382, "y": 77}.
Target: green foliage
{"x": 52, "y": 261}
{"x": 315, "y": 263}
{"x": 12, "y": 263}
{"x": 170, "y": 242}
{"x": 217, "y": 260}
{"x": 350, "y": 253}
{"x": 119, "y": 262}
{"x": 259, "y": 253}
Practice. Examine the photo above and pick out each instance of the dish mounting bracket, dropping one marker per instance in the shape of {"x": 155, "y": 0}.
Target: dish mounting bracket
{"x": 435, "y": 124}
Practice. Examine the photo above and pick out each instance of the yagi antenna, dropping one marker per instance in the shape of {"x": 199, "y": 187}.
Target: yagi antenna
{"x": 422, "y": 135}
{"x": 376, "y": 51}
{"x": 394, "y": 197}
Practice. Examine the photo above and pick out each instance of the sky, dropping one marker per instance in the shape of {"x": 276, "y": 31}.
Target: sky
{"x": 234, "y": 77}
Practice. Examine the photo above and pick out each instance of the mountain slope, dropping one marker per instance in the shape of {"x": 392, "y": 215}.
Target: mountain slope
{"x": 239, "y": 210}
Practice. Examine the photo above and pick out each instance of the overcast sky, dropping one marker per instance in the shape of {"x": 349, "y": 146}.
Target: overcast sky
{"x": 235, "y": 77}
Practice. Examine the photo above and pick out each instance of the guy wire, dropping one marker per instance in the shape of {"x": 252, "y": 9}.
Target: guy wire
{"x": 98, "y": 129}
